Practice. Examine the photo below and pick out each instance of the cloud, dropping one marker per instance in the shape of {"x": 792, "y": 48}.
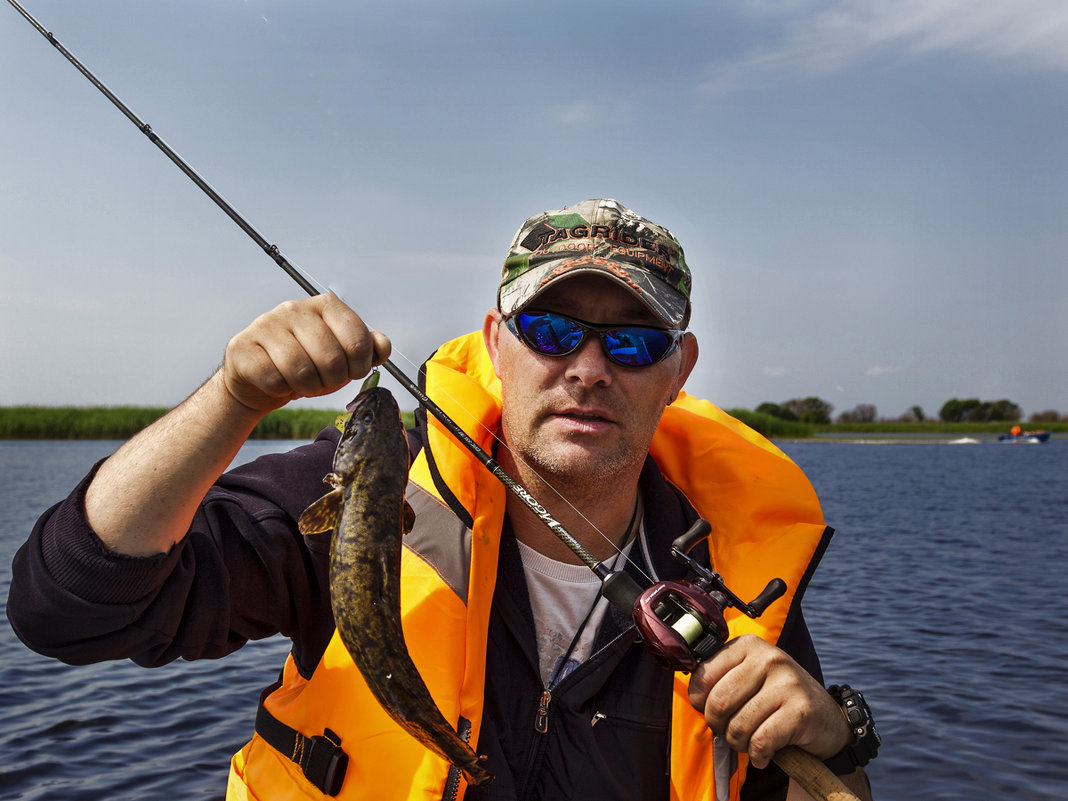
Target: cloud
{"x": 826, "y": 36}
{"x": 879, "y": 371}
{"x": 577, "y": 113}
{"x": 778, "y": 372}
{"x": 582, "y": 113}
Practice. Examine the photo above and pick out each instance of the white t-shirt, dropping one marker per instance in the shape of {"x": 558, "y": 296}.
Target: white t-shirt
{"x": 561, "y": 596}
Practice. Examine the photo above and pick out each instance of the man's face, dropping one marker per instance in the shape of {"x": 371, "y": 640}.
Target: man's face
{"x": 581, "y": 416}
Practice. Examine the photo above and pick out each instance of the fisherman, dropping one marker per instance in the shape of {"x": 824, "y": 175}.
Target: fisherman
{"x": 576, "y": 383}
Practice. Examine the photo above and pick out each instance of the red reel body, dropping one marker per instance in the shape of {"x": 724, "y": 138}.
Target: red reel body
{"x": 681, "y": 623}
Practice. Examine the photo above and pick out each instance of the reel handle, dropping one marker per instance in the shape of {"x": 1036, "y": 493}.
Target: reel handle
{"x": 776, "y": 589}
{"x": 698, "y": 532}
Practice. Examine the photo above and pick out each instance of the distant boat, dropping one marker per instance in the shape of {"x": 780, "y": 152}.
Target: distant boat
{"x": 1024, "y": 436}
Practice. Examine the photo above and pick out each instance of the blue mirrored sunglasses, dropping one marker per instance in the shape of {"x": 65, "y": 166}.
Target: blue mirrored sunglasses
{"x": 555, "y": 334}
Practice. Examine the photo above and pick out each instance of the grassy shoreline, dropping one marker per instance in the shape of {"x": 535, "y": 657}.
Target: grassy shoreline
{"x": 122, "y": 422}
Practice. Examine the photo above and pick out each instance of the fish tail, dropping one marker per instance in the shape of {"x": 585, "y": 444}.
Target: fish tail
{"x": 475, "y": 774}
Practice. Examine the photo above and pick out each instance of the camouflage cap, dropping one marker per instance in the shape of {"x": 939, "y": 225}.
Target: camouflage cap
{"x": 603, "y": 237}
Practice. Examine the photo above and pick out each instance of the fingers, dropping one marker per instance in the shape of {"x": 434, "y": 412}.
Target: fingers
{"x": 361, "y": 349}
{"x": 300, "y": 349}
{"x": 729, "y": 690}
{"x": 761, "y": 701}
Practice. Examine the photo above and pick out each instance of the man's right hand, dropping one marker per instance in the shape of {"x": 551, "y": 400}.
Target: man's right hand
{"x": 145, "y": 495}
{"x": 300, "y": 349}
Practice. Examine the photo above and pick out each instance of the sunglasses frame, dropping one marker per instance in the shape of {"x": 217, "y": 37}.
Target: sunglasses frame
{"x": 676, "y": 335}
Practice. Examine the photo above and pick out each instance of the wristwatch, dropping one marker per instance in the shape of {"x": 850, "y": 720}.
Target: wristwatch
{"x": 866, "y": 741}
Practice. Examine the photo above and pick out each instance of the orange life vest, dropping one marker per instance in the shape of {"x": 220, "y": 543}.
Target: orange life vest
{"x": 766, "y": 521}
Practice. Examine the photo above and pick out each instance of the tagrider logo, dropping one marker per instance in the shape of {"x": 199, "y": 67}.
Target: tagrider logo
{"x": 613, "y": 242}
{"x": 616, "y": 234}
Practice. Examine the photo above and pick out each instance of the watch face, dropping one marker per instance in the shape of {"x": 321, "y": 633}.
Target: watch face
{"x": 866, "y": 740}
{"x": 858, "y": 717}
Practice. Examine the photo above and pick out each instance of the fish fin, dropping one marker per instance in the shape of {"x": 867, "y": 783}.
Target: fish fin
{"x": 407, "y": 518}
{"x": 323, "y": 515}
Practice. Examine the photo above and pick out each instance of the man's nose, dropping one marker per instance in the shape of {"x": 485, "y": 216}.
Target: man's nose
{"x": 589, "y": 364}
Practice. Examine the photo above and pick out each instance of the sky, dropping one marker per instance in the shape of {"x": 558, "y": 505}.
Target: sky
{"x": 872, "y": 196}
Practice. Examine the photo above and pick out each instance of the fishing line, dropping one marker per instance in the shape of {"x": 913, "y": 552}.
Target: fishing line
{"x": 600, "y": 569}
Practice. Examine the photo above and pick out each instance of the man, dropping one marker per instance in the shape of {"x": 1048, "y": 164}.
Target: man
{"x": 576, "y": 382}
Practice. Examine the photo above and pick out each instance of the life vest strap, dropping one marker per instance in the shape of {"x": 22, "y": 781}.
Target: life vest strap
{"x": 320, "y": 757}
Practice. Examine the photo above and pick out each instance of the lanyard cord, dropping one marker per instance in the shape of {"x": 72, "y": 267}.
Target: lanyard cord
{"x": 561, "y": 663}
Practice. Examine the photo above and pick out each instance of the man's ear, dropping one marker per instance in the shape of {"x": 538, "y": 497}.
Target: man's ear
{"x": 491, "y": 331}
{"x": 689, "y": 352}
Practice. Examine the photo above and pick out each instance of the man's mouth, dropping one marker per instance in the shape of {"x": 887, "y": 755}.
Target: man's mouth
{"x": 584, "y": 415}
{"x": 590, "y": 419}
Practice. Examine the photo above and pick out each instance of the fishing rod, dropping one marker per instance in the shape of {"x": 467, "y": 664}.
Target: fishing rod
{"x": 681, "y": 622}
{"x": 273, "y": 251}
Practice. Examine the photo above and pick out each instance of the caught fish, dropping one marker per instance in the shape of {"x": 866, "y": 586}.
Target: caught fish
{"x": 368, "y": 514}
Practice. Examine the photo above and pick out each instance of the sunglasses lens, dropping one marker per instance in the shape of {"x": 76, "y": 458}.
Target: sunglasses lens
{"x": 557, "y": 335}
{"x": 550, "y": 334}
{"x": 637, "y": 347}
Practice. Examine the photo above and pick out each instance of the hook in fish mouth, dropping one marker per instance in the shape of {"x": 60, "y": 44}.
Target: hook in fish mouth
{"x": 368, "y": 383}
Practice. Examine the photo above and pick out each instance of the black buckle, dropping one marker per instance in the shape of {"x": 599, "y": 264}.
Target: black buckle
{"x": 324, "y": 763}
{"x": 320, "y": 757}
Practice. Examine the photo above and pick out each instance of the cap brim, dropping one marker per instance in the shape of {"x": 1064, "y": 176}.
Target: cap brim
{"x": 660, "y": 298}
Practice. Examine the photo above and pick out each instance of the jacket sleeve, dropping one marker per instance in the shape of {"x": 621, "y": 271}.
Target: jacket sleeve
{"x": 243, "y": 571}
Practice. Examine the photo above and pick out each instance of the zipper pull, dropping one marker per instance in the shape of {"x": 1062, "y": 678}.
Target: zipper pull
{"x": 541, "y": 719}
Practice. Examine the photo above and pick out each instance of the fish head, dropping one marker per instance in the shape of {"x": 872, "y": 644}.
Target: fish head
{"x": 373, "y": 429}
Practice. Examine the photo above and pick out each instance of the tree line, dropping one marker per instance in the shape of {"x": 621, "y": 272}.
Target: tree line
{"x": 816, "y": 411}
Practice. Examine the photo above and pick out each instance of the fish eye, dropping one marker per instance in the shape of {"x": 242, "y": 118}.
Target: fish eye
{"x": 368, "y": 417}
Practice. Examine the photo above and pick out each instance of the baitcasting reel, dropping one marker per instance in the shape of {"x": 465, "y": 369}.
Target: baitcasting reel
{"x": 682, "y": 621}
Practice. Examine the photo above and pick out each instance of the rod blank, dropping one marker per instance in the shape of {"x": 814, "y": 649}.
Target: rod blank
{"x": 279, "y": 258}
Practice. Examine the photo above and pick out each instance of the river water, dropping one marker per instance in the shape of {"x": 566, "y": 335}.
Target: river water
{"x": 941, "y": 597}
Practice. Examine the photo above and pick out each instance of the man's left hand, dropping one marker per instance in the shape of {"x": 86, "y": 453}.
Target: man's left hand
{"x": 762, "y": 700}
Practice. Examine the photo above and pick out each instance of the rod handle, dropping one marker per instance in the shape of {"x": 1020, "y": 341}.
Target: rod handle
{"x": 814, "y": 777}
